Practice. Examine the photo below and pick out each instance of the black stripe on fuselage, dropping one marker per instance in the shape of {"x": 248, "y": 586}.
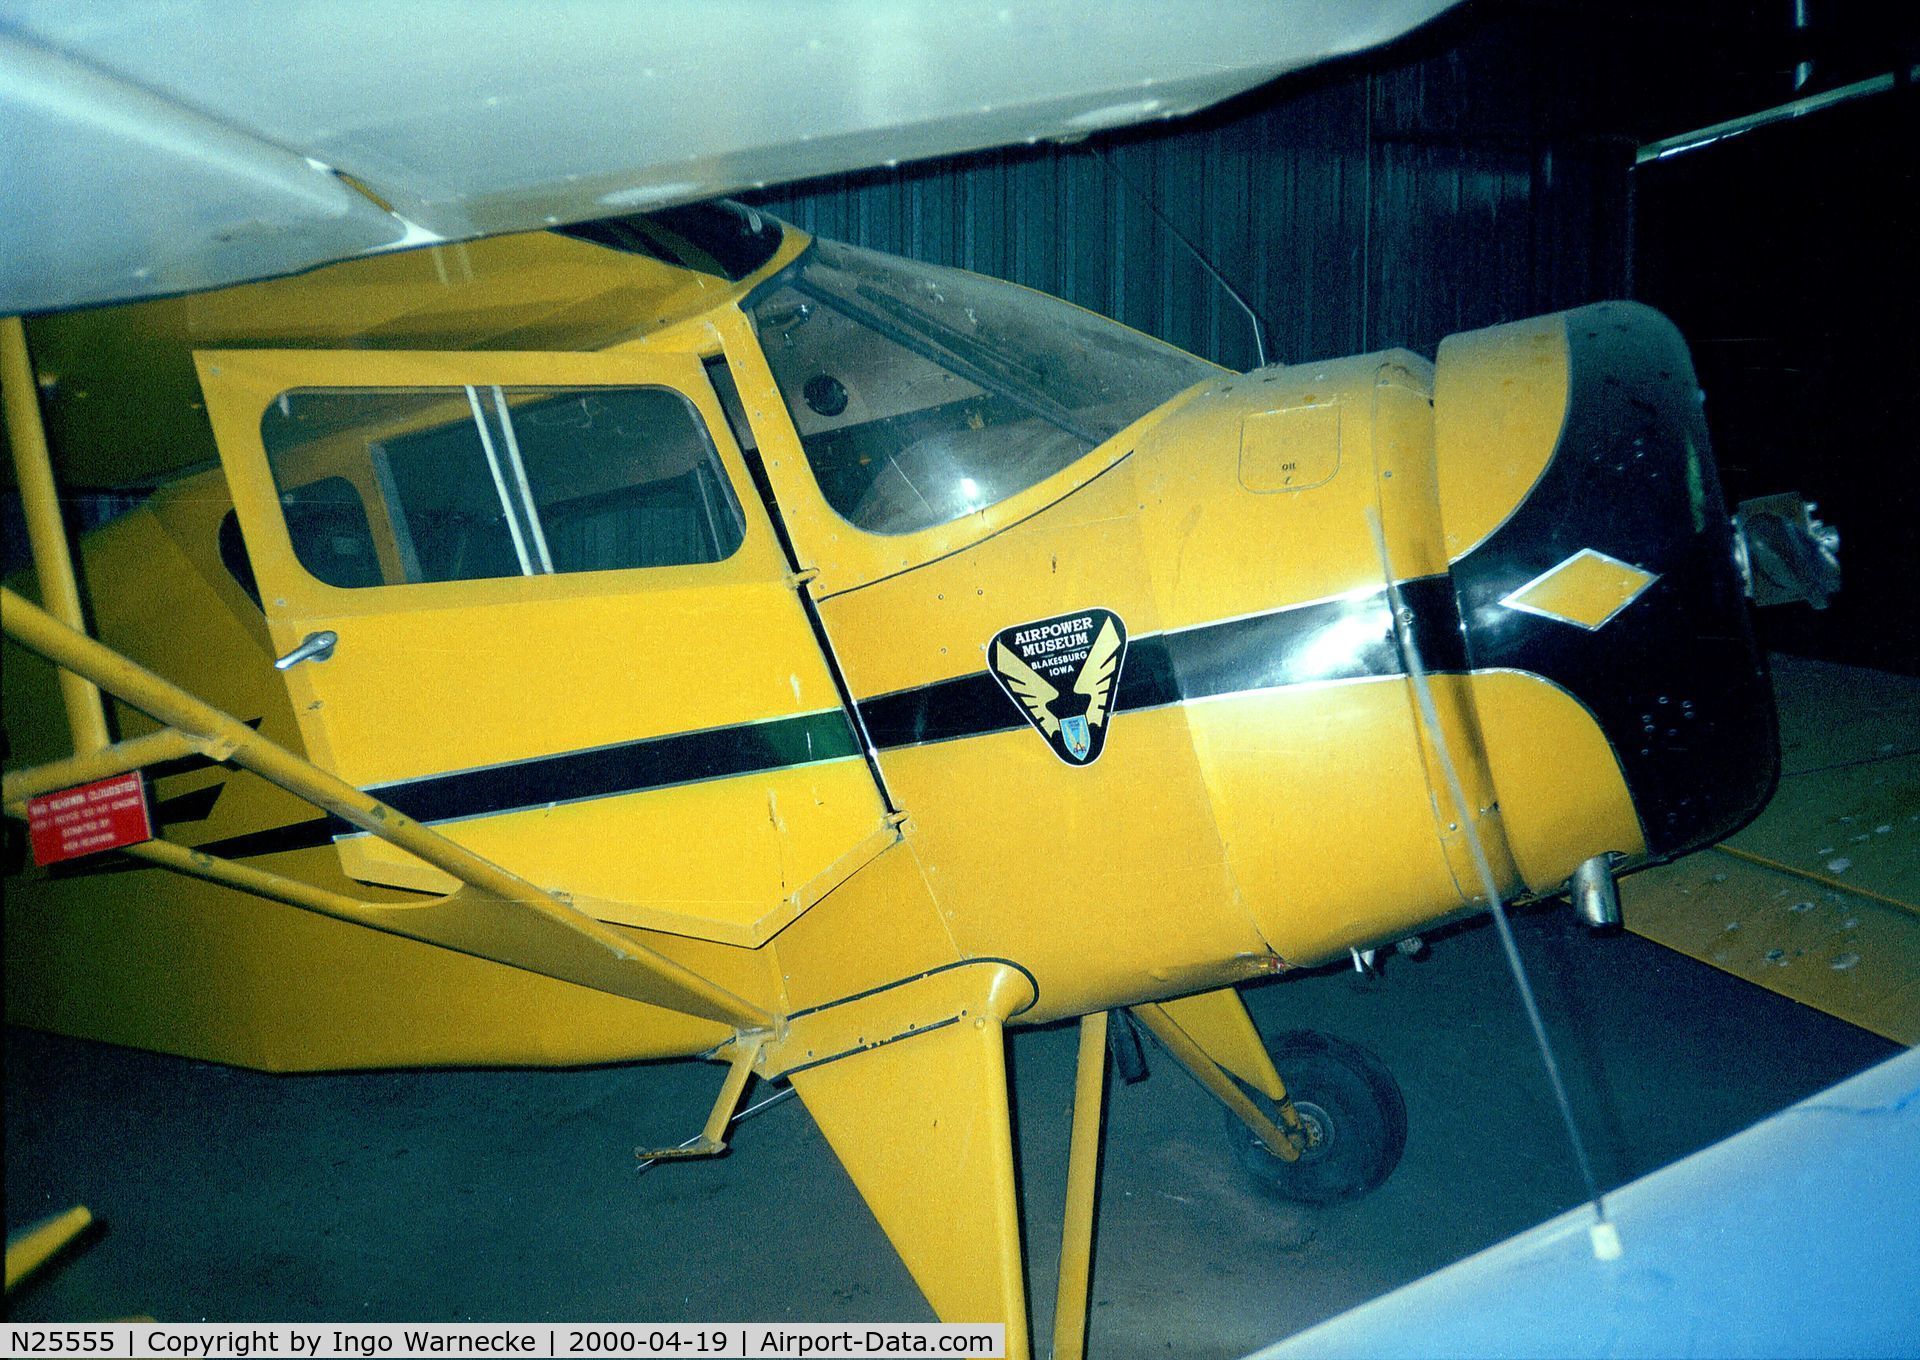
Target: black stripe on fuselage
{"x": 577, "y": 776}
{"x": 1348, "y": 638}
{"x": 1329, "y": 640}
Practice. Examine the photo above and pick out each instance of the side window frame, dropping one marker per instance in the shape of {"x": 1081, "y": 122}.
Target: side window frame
{"x": 844, "y": 556}
{"x": 424, "y": 456}
{"x": 240, "y": 384}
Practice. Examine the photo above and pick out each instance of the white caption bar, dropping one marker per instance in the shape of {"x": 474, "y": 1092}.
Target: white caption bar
{"x": 674, "y": 1340}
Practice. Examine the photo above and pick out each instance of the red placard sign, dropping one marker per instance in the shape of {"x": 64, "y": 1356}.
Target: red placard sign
{"x": 105, "y": 815}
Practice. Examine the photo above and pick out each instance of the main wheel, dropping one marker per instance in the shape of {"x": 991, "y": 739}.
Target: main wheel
{"x": 1351, "y": 1105}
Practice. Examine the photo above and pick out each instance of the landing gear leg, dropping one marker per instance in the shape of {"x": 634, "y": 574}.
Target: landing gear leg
{"x": 1275, "y": 1126}
{"x": 1083, "y": 1174}
{"x": 1353, "y": 1110}
{"x": 1334, "y": 1129}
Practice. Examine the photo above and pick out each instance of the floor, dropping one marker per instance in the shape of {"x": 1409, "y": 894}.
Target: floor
{"x": 232, "y": 1195}
{"x": 1819, "y": 898}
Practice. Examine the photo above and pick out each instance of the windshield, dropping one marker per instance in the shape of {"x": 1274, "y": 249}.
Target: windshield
{"x": 923, "y": 394}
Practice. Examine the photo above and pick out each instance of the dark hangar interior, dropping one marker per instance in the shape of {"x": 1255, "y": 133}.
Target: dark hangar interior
{"x": 1747, "y": 168}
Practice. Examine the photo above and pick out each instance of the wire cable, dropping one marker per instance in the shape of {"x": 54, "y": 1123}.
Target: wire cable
{"x": 1430, "y": 717}
{"x": 1259, "y": 333}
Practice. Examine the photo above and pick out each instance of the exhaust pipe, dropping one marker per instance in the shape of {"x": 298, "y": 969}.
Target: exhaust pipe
{"x": 1595, "y": 897}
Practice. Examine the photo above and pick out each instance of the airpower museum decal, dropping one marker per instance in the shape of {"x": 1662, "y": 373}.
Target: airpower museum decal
{"x": 1062, "y": 673}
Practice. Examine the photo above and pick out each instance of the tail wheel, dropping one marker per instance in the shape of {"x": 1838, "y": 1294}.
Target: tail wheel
{"x": 1353, "y": 1109}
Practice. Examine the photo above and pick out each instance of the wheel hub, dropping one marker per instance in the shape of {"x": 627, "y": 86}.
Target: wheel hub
{"x": 1319, "y": 1128}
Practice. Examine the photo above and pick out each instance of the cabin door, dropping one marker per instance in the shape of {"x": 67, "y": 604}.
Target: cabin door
{"x": 563, "y": 631}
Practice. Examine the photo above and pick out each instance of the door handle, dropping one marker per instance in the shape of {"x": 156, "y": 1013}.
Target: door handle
{"x": 313, "y": 647}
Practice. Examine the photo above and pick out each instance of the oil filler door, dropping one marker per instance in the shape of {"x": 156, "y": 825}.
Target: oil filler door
{"x": 559, "y": 632}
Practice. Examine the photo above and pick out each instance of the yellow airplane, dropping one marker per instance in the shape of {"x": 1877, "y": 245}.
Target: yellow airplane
{"x": 675, "y": 637}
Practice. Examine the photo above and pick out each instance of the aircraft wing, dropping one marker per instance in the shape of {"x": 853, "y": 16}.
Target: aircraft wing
{"x": 1701, "y": 1245}
{"x": 152, "y": 151}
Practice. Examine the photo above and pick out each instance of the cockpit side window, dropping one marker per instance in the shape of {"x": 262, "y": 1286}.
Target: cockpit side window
{"x": 924, "y": 394}
{"x": 394, "y": 486}
{"x": 331, "y": 536}
{"x": 331, "y": 533}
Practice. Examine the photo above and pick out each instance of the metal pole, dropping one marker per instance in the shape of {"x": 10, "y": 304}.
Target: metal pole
{"x": 46, "y": 533}
{"x": 1207, "y": 1072}
{"x": 261, "y": 883}
{"x": 133, "y": 754}
{"x": 614, "y": 958}
{"x": 34, "y": 1246}
{"x": 1083, "y": 1168}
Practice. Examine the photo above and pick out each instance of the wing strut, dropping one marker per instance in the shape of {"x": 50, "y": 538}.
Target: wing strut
{"x": 498, "y": 915}
{"x": 1083, "y": 1181}
{"x": 46, "y": 529}
{"x": 1283, "y": 1140}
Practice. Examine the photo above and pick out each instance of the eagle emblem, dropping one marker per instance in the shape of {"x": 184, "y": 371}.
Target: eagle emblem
{"x": 1063, "y": 673}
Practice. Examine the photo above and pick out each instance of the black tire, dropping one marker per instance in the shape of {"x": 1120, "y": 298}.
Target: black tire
{"x": 1355, "y": 1103}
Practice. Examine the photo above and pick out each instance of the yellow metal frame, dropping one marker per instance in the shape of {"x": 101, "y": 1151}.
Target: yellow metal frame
{"x": 496, "y": 915}
{"x": 1283, "y": 1142}
{"x": 46, "y": 532}
{"x": 1083, "y": 1179}
{"x": 106, "y": 762}
{"x": 38, "y": 1243}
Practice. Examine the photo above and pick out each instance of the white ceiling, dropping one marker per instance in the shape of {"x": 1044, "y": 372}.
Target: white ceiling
{"x": 160, "y": 146}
